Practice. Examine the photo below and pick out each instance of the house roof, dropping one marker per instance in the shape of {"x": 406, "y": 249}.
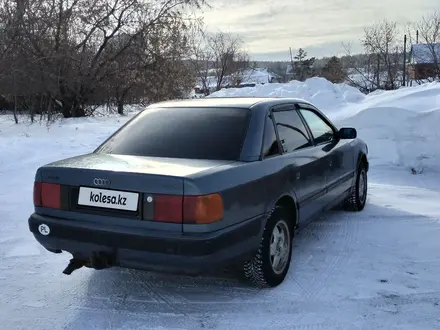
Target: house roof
{"x": 425, "y": 53}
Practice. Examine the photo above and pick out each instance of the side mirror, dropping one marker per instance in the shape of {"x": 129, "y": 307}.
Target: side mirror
{"x": 347, "y": 133}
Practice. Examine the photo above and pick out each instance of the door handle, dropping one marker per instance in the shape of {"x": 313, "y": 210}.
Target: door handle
{"x": 298, "y": 175}
{"x": 330, "y": 163}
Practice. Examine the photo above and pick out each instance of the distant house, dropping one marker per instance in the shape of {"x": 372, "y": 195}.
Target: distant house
{"x": 239, "y": 79}
{"x": 424, "y": 61}
{"x": 255, "y": 76}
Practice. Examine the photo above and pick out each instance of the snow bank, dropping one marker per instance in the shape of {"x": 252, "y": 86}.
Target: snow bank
{"x": 400, "y": 127}
{"x": 320, "y": 91}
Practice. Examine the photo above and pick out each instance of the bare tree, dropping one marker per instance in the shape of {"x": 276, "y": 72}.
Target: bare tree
{"x": 381, "y": 41}
{"x": 380, "y": 66}
{"x": 201, "y": 57}
{"x": 79, "y": 53}
{"x": 223, "y": 50}
{"x": 241, "y": 69}
{"x": 152, "y": 59}
{"x": 219, "y": 58}
{"x": 361, "y": 72}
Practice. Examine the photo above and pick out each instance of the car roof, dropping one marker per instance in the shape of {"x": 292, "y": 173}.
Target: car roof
{"x": 226, "y": 102}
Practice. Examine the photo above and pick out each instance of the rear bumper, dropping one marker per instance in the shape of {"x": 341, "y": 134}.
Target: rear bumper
{"x": 149, "y": 250}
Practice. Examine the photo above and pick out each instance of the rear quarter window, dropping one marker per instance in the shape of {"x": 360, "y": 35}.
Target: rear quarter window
{"x": 196, "y": 133}
{"x": 270, "y": 142}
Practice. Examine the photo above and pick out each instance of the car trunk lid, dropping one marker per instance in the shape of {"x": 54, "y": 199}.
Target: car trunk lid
{"x": 134, "y": 187}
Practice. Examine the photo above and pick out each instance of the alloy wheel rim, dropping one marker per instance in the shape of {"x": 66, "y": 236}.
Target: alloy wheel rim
{"x": 362, "y": 189}
{"x": 280, "y": 247}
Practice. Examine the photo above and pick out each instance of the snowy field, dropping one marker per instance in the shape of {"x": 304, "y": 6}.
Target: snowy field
{"x": 378, "y": 269}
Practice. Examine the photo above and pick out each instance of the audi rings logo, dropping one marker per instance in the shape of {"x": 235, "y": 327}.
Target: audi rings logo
{"x": 101, "y": 182}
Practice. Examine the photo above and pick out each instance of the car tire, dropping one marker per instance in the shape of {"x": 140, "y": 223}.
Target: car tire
{"x": 262, "y": 269}
{"x": 358, "y": 198}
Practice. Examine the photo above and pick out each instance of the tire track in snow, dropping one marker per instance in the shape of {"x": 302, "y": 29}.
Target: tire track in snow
{"x": 254, "y": 307}
{"x": 166, "y": 294}
{"x": 350, "y": 251}
{"x": 318, "y": 284}
{"x": 387, "y": 299}
{"x": 170, "y": 299}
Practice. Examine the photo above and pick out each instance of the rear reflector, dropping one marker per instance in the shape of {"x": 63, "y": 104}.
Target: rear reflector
{"x": 202, "y": 209}
{"x": 37, "y": 193}
{"x": 47, "y": 195}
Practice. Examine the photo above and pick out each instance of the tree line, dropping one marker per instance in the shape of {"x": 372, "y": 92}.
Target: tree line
{"x": 68, "y": 56}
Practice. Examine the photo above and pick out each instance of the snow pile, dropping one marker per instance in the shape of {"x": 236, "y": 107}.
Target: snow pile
{"x": 400, "y": 127}
{"x": 317, "y": 90}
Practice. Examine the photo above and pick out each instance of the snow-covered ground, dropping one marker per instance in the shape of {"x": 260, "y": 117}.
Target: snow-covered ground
{"x": 378, "y": 269}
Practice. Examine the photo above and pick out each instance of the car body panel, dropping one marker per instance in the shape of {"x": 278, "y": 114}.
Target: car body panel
{"x": 341, "y": 169}
{"x": 245, "y": 192}
{"x": 176, "y": 167}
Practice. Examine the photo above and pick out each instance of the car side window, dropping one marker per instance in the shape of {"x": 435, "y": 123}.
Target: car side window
{"x": 291, "y": 131}
{"x": 270, "y": 142}
{"x": 321, "y": 131}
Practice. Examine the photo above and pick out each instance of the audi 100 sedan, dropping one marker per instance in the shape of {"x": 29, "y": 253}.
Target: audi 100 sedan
{"x": 193, "y": 185}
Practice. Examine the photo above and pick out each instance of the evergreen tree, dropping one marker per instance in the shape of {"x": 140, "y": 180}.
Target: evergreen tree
{"x": 334, "y": 70}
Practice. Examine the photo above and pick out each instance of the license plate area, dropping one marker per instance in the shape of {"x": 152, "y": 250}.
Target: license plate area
{"x": 108, "y": 199}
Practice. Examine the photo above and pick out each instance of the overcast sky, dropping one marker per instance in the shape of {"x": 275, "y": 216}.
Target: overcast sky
{"x": 270, "y": 27}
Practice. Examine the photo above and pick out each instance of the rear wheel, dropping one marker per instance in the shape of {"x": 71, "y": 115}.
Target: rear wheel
{"x": 269, "y": 266}
{"x": 356, "y": 201}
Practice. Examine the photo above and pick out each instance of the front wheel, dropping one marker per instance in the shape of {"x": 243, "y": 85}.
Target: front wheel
{"x": 357, "y": 200}
{"x": 269, "y": 266}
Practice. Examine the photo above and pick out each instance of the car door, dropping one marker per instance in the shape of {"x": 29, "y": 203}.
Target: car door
{"x": 336, "y": 153}
{"x": 303, "y": 159}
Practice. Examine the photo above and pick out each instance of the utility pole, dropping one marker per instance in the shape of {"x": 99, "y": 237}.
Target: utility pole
{"x": 404, "y": 61}
{"x": 417, "y": 36}
{"x": 291, "y": 59}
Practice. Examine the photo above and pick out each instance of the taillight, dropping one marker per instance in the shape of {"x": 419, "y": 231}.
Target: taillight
{"x": 168, "y": 208}
{"x": 203, "y": 209}
{"x": 47, "y": 195}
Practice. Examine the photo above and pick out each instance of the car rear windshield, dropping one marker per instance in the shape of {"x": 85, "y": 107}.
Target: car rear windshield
{"x": 197, "y": 133}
